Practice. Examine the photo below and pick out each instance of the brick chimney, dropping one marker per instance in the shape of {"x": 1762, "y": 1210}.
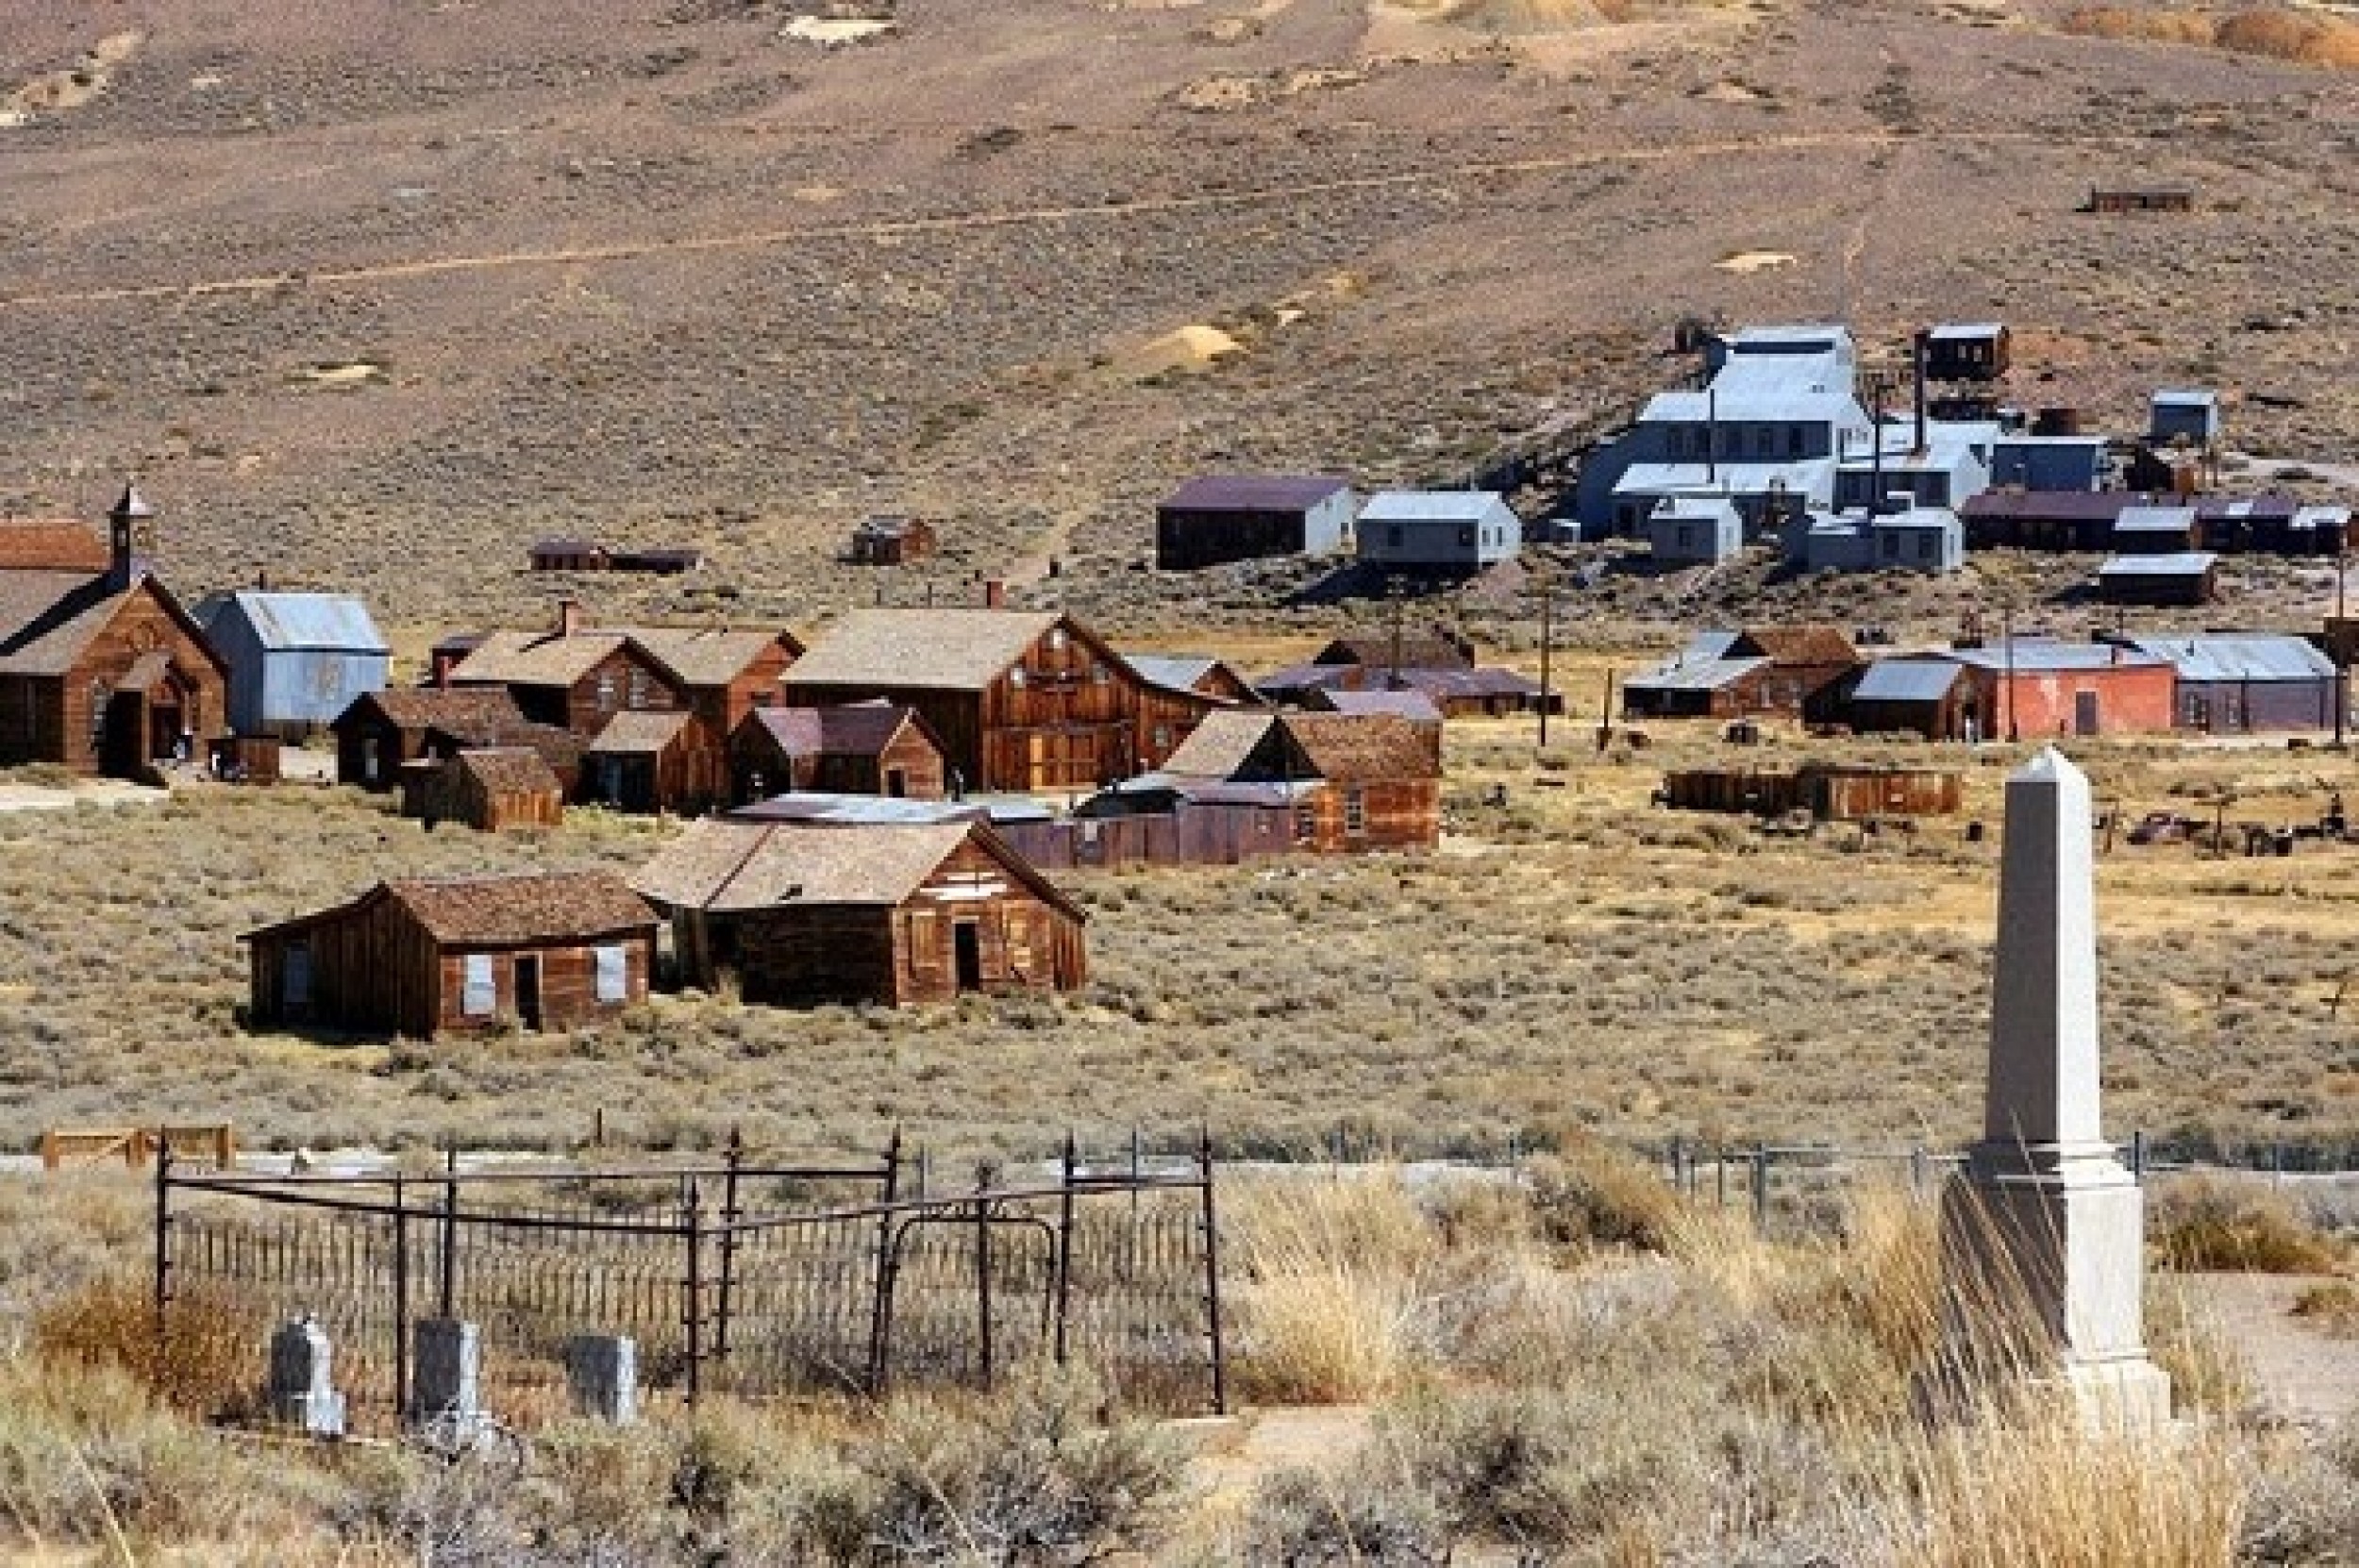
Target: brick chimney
{"x": 994, "y": 594}
{"x": 569, "y": 617}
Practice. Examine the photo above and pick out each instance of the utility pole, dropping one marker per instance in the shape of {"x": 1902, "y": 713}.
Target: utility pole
{"x": 1548, "y": 639}
{"x": 1394, "y": 588}
{"x": 2340, "y": 642}
{"x": 2006, "y": 638}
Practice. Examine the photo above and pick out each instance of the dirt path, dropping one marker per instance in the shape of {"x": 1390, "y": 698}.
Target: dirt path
{"x": 2301, "y": 1374}
{"x": 1012, "y": 217}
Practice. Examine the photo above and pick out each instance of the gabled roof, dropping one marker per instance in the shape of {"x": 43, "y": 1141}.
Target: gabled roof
{"x": 508, "y": 770}
{"x": 522, "y": 909}
{"x": 1361, "y": 748}
{"x": 2182, "y": 563}
{"x": 47, "y": 619}
{"x": 1411, "y": 704}
{"x": 2238, "y": 657}
{"x": 1439, "y": 649}
{"x": 1218, "y": 747}
{"x": 825, "y": 808}
{"x": 1950, "y": 331}
{"x": 1435, "y": 506}
{"x": 1489, "y": 681}
{"x": 1174, "y": 672}
{"x": 1307, "y": 677}
{"x": 945, "y": 650}
{"x": 634, "y": 732}
{"x": 50, "y": 544}
{"x": 465, "y": 713}
{"x": 535, "y": 657}
{"x": 707, "y": 655}
{"x": 844, "y": 729}
{"x": 1695, "y": 674}
{"x": 1907, "y": 680}
{"x": 1254, "y": 492}
{"x": 725, "y": 866}
{"x": 1797, "y": 644}
{"x": 335, "y": 623}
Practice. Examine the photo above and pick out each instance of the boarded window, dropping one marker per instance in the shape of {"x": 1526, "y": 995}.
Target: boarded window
{"x": 478, "y": 989}
{"x": 1355, "y": 811}
{"x": 612, "y": 965}
{"x": 294, "y": 982}
{"x": 925, "y": 950}
{"x": 1306, "y": 822}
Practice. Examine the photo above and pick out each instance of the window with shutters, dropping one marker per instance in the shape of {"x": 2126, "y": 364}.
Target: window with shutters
{"x": 639, "y": 688}
{"x": 606, "y": 692}
{"x": 1356, "y": 811}
{"x": 478, "y": 989}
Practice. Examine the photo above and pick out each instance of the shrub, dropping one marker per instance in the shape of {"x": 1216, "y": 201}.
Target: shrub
{"x": 2332, "y": 1307}
{"x": 206, "y": 1363}
{"x": 1590, "y": 1193}
{"x": 2239, "y": 1226}
{"x": 1301, "y": 1518}
{"x": 1333, "y": 1301}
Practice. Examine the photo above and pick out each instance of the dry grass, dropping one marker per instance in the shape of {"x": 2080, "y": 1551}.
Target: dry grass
{"x": 2332, "y": 1307}
{"x": 1334, "y": 1295}
{"x": 2242, "y": 1227}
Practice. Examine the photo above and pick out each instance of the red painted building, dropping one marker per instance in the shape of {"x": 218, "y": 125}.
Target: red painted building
{"x": 2039, "y": 689}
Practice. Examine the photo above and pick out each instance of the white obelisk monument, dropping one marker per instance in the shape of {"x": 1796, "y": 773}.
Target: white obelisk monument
{"x": 2046, "y": 1226}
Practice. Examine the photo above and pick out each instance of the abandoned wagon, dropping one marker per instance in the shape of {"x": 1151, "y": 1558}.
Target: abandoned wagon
{"x": 889, "y": 914}
{"x": 489, "y": 789}
{"x": 545, "y": 950}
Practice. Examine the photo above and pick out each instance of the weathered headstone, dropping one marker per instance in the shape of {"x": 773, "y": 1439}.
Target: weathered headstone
{"x": 603, "y": 1372}
{"x": 446, "y": 1387}
{"x": 2043, "y": 1234}
{"x": 302, "y": 1380}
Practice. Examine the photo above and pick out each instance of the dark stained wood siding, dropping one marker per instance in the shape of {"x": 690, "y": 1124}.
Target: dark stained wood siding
{"x": 375, "y": 970}
{"x": 907, "y": 954}
{"x": 48, "y": 718}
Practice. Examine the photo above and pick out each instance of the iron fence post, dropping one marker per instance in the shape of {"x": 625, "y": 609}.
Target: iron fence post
{"x": 163, "y": 1240}
{"x": 733, "y": 1157}
{"x": 401, "y": 1305}
{"x": 1917, "y": 1169}
{"x": 880, "y": 1303}
{"x": 1720, "y": 1175}
{"x": 1212, "y": 1275}
{"x": 1761, "y": 1188}
{"x": 1065, "y": 1243}
{"x": 2138, "y": 1154}
{"x": 982, "y": 1273}
{"x": 692, "y": 1289}
{"x": 448, "y": 1295}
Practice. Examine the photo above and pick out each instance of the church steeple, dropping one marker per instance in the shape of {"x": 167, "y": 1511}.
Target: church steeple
{"x": 130, "y": 531}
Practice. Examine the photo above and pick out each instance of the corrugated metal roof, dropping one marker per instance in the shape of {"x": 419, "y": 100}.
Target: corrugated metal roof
{"x": 1907, "y": 680}
{"x": 1435, "y": 506}
{"x": 1706, "y": 675}
{"x": 822, "y": 807}
{"x": 1954, "y": 331}
{"x": 2240, "y": 656}
{"x": 2037, "y": 655}
{"x": 2182, "y": 563}
{"x": 1709, "y": 644}
{"x": 1255, "y": 491}
{"x": 2152, "y": 519}
{"x": 1799, "y": 476}
{"x": 2187, "y": 397}
{"x": 330, "y": 622}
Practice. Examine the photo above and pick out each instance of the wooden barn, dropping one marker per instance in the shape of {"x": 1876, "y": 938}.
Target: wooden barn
{"x": 1360, "y": 782}
{"x": 542, "y": 950}
{"x": 862, "y": 748}
{"x": 891, "y": 542}
{"x": 1020, "y": 700}
{"x": 646, "y": 762}
{"x": 379, "y": 732}
{"x": 897, "y": 915}
{"x": 101, "y": 669}
{"x": 486, "y": 789}
{"x": 1927, "y": 697}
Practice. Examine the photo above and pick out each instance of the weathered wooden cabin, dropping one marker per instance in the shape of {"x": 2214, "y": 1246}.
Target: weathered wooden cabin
{"x": 1020, "y": 700}
{"x": 1830, "y": 792}
{"x": 542, "y": 950}
{"x": 296, "y": 660}
{"x": 579, "y": 675}
{"x": 1220, "y": 518}
{"x": 1360, "y": 782}
{"x": 568, "y": 555}
{"x": 2117, "y": 199}
{"x": 1967, "y": 351}
{"x": 379, "y": 732}
{"x": 874, "y": 748}
{"x": 1928, "y": 696}
{"x": 891, "y": 542}
{"x": 897, "y": 915}
{"x": 2186, "y": 577}
{"x": 646, "y": 762}
{"x": 488, "y": 789}
{"x": 1802, "y": 671}
{"x": 101, "y": 669}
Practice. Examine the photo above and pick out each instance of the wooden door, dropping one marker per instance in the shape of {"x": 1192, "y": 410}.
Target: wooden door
{"x": 528, "y": 990}
{"x": 967, "y": 946}
{"x": 2084, "y": 713}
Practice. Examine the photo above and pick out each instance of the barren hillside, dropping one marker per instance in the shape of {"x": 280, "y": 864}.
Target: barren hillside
{"x": 382, "y": 297}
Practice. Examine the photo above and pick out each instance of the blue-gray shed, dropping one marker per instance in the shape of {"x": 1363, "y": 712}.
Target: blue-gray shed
{"x": 296, "y": 660}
